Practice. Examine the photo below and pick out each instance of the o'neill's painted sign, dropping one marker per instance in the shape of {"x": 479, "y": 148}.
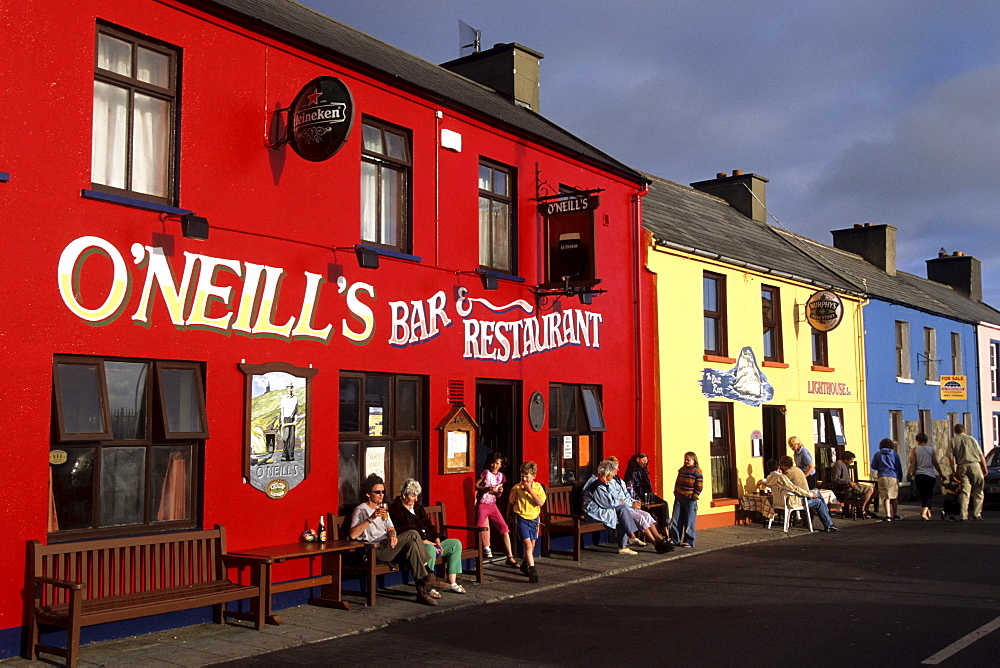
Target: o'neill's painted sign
{"x": 824, "y": 310}
{"x": 231, "y": 296}
{"x": 320, "y": 119}
{"x": 954, "y": 387}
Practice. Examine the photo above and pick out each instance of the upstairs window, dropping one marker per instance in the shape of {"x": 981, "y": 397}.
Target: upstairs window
{"x": 820, "y": 349}
{"x": 994, "y": 368}
{"x": 135, "y": 115}
{"x": 714, "y": 296}
{"x": 125, "y": 446}
{"x": 771, "y": 315}
{"x": 902, "y": 349}
{"x": 956, "y": 354}
{"x": 385, "y": 185}
{"x": 496, "y": 217}
{"x": 930, "y": 355}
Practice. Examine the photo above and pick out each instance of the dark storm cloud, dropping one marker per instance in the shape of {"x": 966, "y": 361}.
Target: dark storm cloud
{"x": 872, "y": 111}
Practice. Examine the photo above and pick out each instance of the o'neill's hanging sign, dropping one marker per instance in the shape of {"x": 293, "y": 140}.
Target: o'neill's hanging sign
{"x": 824, "y": 311}
{"x": 320, "y": 119}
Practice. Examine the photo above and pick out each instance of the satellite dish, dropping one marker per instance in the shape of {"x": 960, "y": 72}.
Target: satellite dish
{"x": 468, "y": 39}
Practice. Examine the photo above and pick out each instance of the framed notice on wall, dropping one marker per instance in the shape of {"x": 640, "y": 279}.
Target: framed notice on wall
{"x": 458, "y": 437}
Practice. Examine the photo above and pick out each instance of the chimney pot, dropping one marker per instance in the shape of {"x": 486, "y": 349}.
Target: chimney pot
{"x": 737, "y": 172}
{"x": 868, "y": 224}
{"x": 858, "y": 226}
{"x": 721, "y": 175}
{"x": 959, "y": 254}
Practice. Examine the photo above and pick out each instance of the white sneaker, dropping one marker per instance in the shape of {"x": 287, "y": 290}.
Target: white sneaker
{"x": 626, "y": 550}
{"x": 488, "y": 552}
{"x": 636, "y": 541}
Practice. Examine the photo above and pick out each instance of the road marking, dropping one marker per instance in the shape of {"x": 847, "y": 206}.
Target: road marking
{"x": 962, "y": 643}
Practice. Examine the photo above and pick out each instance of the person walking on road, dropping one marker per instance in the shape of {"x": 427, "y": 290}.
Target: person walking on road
{"x": 890, "y": 470}
{"x": 968, "y": 466}
{"x": 925, "y": 469}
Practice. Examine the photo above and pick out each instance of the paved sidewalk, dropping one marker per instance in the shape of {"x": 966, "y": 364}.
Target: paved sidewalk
{"x": 207, "y": 644}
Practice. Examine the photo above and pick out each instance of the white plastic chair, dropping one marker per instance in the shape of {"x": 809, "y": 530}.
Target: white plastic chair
{"x": 803, "y": 510}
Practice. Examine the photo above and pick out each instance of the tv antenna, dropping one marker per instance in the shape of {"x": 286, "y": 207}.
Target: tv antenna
{"x": 468, "y": 39}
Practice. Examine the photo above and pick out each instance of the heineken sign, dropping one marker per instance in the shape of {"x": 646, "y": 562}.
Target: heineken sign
{"x": 320, "y": 119}
{"x": 824, "y": 310}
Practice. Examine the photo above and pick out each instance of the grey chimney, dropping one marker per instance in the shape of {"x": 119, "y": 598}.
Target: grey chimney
{"x": 875, "y": 243}
{"x": 510, "y": 69}
{"x": 962, "y": 272}
{"x": 744, "y": 192}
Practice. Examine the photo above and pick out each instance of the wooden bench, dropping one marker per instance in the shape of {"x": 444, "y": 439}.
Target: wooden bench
{"x": 368, "y": 568}
{"x": 72, "y": 585}
{"x": 560, "y": 516}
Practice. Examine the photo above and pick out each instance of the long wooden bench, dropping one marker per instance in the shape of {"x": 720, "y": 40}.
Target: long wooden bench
{"x": 561, "y": 516}
{"x": 367, "y": 569}
{"x": 72, "y": 585}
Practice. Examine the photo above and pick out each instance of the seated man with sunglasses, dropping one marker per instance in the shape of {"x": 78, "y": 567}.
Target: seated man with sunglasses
{"x": 370, "y": 523}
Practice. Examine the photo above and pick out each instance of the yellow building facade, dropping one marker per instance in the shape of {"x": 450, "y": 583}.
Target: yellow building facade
{"x": 740, "y": 371}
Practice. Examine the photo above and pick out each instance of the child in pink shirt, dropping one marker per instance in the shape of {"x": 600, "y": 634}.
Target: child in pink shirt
{"x": 490, "y": 486}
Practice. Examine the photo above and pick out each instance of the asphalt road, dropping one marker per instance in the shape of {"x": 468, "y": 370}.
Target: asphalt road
{"x": 893, "y": 594}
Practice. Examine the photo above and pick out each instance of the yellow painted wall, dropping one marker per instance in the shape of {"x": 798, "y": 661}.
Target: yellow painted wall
{"x": 683, "y": 407}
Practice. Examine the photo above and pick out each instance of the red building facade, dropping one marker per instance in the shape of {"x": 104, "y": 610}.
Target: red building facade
{"x": 253, "y": 378}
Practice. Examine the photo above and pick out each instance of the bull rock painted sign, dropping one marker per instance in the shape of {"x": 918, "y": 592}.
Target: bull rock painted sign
{"x": 194, "y": 300}
{"x": 745, "y": 382}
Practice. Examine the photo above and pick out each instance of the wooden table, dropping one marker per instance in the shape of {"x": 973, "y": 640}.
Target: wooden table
{"x": 329, "y": 579}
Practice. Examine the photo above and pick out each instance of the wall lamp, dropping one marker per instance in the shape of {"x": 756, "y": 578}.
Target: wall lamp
{"x": 194, "y": 227}
{"x": 367, "y": 257}
{"x": 490, "y": 281}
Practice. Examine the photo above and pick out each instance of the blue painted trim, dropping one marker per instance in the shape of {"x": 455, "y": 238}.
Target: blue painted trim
{"x": 391, "y": 253}
{"x": 135, "y": 203}
{"x": 502, "y": 276}
{"x": 4, "y": 177}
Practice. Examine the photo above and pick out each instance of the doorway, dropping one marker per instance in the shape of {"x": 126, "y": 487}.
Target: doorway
{"x": 499, "y": 431}
{"x": 774, "y": 433}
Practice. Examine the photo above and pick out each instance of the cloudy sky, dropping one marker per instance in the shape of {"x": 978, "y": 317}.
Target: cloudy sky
{"x": 881, "y": 111}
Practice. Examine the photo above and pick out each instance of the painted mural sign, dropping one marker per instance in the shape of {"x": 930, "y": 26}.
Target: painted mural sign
{"x": 954, "y": 387}
{"x": 824, "y": 310}
{"x": 277, "y": 428}
{"x": 745, "y": 382}
{"x": 193, "y": 299}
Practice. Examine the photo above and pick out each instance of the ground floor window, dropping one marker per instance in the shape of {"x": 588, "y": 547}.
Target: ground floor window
{"x": 576, "y": 420}
{"x": 722, "y": 450}
{"x": 828, "y": 439}
{"x": 996, "y": 430}
{"x": 125, "y": 447}
{"x": 381, "y": 432}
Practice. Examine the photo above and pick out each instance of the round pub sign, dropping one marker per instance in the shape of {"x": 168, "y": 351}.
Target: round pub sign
{"x": 320, "y": 119}
{"x": 824, "y": 310}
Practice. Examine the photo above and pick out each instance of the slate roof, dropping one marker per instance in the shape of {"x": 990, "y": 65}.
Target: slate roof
{"x": 690, "y": 220}
{"x": 343, "y": 43}
{"x": 706, "y": 225}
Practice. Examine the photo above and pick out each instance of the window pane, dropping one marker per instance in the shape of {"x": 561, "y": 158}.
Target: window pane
{"x": 711, "y": 343}
{"x": 568, "y": 405}
{"x": 123, "y": 486}
{"x": 377, "y": 405}
{"x": 369, "y": 202}
{"x": 350, "y": 393}
{"x": 501, "y": 238}
{"x": 767, "y": 306}
{"x": 709, "y": 294}
{"x": 114, "y": 55}
{"x": 149, "y": 145}
{"x": 500, "y": 182}
{"x": 554, "y": 422}
{"x": 72, "y": 485}
{"x": 349, "y": 470}
{"x": 391, "y": 195}
{"x": 127, "y": 399}
{"x": 769, "y": 344}
{"x": 405, "y": 463}
{"x": 181, "y": 400}
{"x": 395, "y": 146}
{"x": 170, "y": 477}
{"x": 80, "y": 398}
{"x": 153, "y": 67}
{"x": 372, "y": 138}
{"x": 592, "y": 407}
{"x": 484, "y": 177}
{"x": 110, "y": 135}
{"x": 485, "y": 238}
{"x": 406, "y": 409}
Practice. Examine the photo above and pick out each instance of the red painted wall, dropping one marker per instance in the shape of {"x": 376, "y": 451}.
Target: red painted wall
{"x": 231, "y": 82}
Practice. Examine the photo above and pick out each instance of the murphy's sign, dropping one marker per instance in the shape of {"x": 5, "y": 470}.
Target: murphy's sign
{"x": 320, "y": 119}
{"x": 824, "y": 311}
